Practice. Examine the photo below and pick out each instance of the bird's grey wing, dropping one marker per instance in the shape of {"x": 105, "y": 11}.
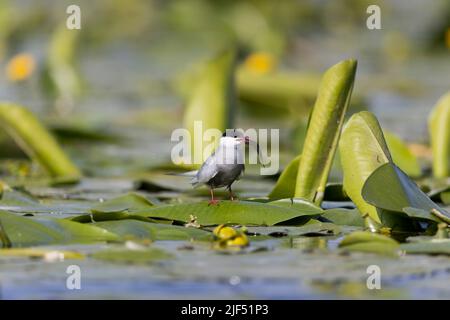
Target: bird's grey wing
{"x": 206, "y": 172}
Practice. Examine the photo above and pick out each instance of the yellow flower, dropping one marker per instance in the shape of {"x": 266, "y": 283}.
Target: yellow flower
{"x": 239, "y": 241}
{"x": 260, "y": 62}
{"x": 224, "y": 233}
{"x": 20, "y": 67}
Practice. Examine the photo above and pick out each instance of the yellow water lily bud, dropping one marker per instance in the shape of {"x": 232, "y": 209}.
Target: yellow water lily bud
{"x": 224, "y": 233}
{"x": 239, "y": 241}
{"x": 20, "y": 67}
{"x": 260, "y": 62}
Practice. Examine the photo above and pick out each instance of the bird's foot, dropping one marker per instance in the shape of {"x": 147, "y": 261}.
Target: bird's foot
{"x": 213, "y": 202}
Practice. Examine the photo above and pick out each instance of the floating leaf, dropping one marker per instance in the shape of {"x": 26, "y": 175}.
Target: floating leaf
{"x": 362, "y": 149}
{"x": 324, "y": 130}
{"x": 236, "y": 212}
{"x": 440, "y": 136}
{"x": 36, "y": 141}
{"x": 25, "y": 231}
{"x": 363, "y": 241}
{"x": 391, "y": 189}
{"x": 433, "y": 247}
{"x": 342, "y": 216}
{"x": 46, "y": 254}
{"x": 401, "y": 155}
{"x": 130, "y": 201}
{"x": 153, "y": 231}
{"x": 146, "y": 256}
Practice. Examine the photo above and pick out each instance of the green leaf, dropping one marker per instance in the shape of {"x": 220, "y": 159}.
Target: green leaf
{"x": 285, "y": 186}
{"x": 391, "y": 189}
{"x": 62, "y": 78}
{"x": 346, "y": 217}
{"x": 211, "y": 100}
{"x": 153, "y": 231}
{"x": 401, "y": 155}
{"x": 324, "y": 130}
{"x": 434, "y": 247}
{"x": 130, "y": 201}
{"x": 362, "y": 149}
{"x": 25, "y": 231}
{"x": 145, "y": 256}
{"x": 440, "y": 136}
{"x": 29, "y": 133}
{"x": 235, "y": 212}
{"x": 362, "y": 241}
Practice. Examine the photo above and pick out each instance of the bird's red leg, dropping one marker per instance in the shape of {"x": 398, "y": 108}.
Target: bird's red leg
{"x": 212, "y": 201}
{"x": 231, "y": 194}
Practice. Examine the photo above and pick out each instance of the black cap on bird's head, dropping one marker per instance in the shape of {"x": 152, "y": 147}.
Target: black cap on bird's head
{"x": 239, "y": 134}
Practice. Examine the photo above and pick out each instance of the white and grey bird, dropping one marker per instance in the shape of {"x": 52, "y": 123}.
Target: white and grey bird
{"x": 225, "y": 165}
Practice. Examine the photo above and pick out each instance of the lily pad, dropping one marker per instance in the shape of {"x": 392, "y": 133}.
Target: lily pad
{"x": 314, "y": 229}
{"x": 370, "y": 242}
{"x": 433, "y": 247}
{"x": 127, "y": 256}
{"x": 236, "y": 212}
{"x": 154, "y": 231}
{"x": 131, "y": 201}
{"x": 344, "y": 217}
{"x": 30, "y": 231}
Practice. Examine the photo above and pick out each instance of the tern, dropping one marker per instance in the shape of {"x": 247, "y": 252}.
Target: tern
{"x": 225, "y": 165}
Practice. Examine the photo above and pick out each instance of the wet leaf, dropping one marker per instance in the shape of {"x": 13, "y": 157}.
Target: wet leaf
{"x": 324, "y": 130}
{"x": 29, "y": 231}
{"x": 440, "y": 136}
{"x": 127, "y": 256}
{"x": 236, "y": 212}
{"x": 29, "y": 133}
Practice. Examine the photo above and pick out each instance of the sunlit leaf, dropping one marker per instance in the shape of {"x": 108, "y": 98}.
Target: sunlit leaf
{"x": 211, "y": 100}
{"x": 401, "y": 155}
{"x": 324, "y": 130}
{"x": 362, "y": 149}
{"x": 36, "y": 141}
{"x": 440, "y": 136}
{"x": 237, "y": 212}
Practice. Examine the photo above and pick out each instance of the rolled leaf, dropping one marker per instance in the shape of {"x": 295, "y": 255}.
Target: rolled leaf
{"x": 362, "y": 149}
{"x": 211, "y": 100}
{"x": 324, "y": 130}
{"x": 439, "y": 128}
{"x": 29, "y": 133}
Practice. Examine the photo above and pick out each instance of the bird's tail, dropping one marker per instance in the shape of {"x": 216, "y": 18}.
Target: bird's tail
{"x": 183, "y": 174}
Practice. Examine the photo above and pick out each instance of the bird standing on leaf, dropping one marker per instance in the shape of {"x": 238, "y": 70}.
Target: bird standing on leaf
{"x": 225, "y": 165}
